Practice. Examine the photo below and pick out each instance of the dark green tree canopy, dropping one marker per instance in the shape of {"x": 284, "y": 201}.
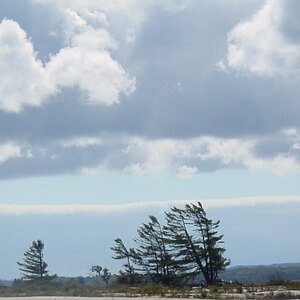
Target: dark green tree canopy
{"x": 33, "y": 267}
{"x": 187, "y": 245}
{"x": 152, "y": 255}
{"x": 196, "y": 244}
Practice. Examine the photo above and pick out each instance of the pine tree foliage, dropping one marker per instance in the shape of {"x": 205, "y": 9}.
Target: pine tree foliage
{"x": 152, "y": 255}
{"x": 180, "y": 242}
{"x": 33, "y": 267}
{"x": 188, "y": 245}
{"x": 123, "y": 253}
{"x": 196, "y": 244}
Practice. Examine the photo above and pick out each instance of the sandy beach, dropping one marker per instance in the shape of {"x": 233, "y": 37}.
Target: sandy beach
{"x": 262, "y": 295}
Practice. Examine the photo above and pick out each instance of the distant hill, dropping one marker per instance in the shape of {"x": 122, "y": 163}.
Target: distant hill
{"x": 262, "y": 273}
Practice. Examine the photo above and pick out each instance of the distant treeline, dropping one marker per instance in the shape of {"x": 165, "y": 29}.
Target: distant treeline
{"x": 242, "y": 274}
{"x": 263, "y": 273}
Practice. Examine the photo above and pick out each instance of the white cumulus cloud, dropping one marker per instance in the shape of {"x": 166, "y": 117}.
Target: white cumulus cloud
{"x": 23, "y": 79}
{"x": 261, "y": 45}
{"x": 85, "y": 63}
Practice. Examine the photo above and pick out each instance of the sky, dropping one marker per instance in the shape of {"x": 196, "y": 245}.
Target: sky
{"x": 114, "y": 110}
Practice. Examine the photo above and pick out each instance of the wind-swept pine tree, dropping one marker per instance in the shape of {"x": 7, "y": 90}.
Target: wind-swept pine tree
{"x": 121, "y": 252}
{"x": 188, "y": 245}
{"x": 195, "y": 242}
{"x": 33, "y": 267}
{"x": 152, "y": 255}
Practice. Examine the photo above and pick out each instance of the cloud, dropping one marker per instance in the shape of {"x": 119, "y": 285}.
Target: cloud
{"x": 268, "y": 43}
{"x": 85, "y": 63}
{"x": 141, "y": 156}
{"x": 81, "y": 142}
{"x": 189, "y": 157}
{"x": 136, "y": 169}
{"x": 158, "y": 102}
{"x": 186, "y": 172}
{"x": 23, "y": 80}
{"x": 125, "y": 18}
{"x": 134, "y": 10}
{"x": 105, "y": 209}
{"x": 9, "y": 151}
